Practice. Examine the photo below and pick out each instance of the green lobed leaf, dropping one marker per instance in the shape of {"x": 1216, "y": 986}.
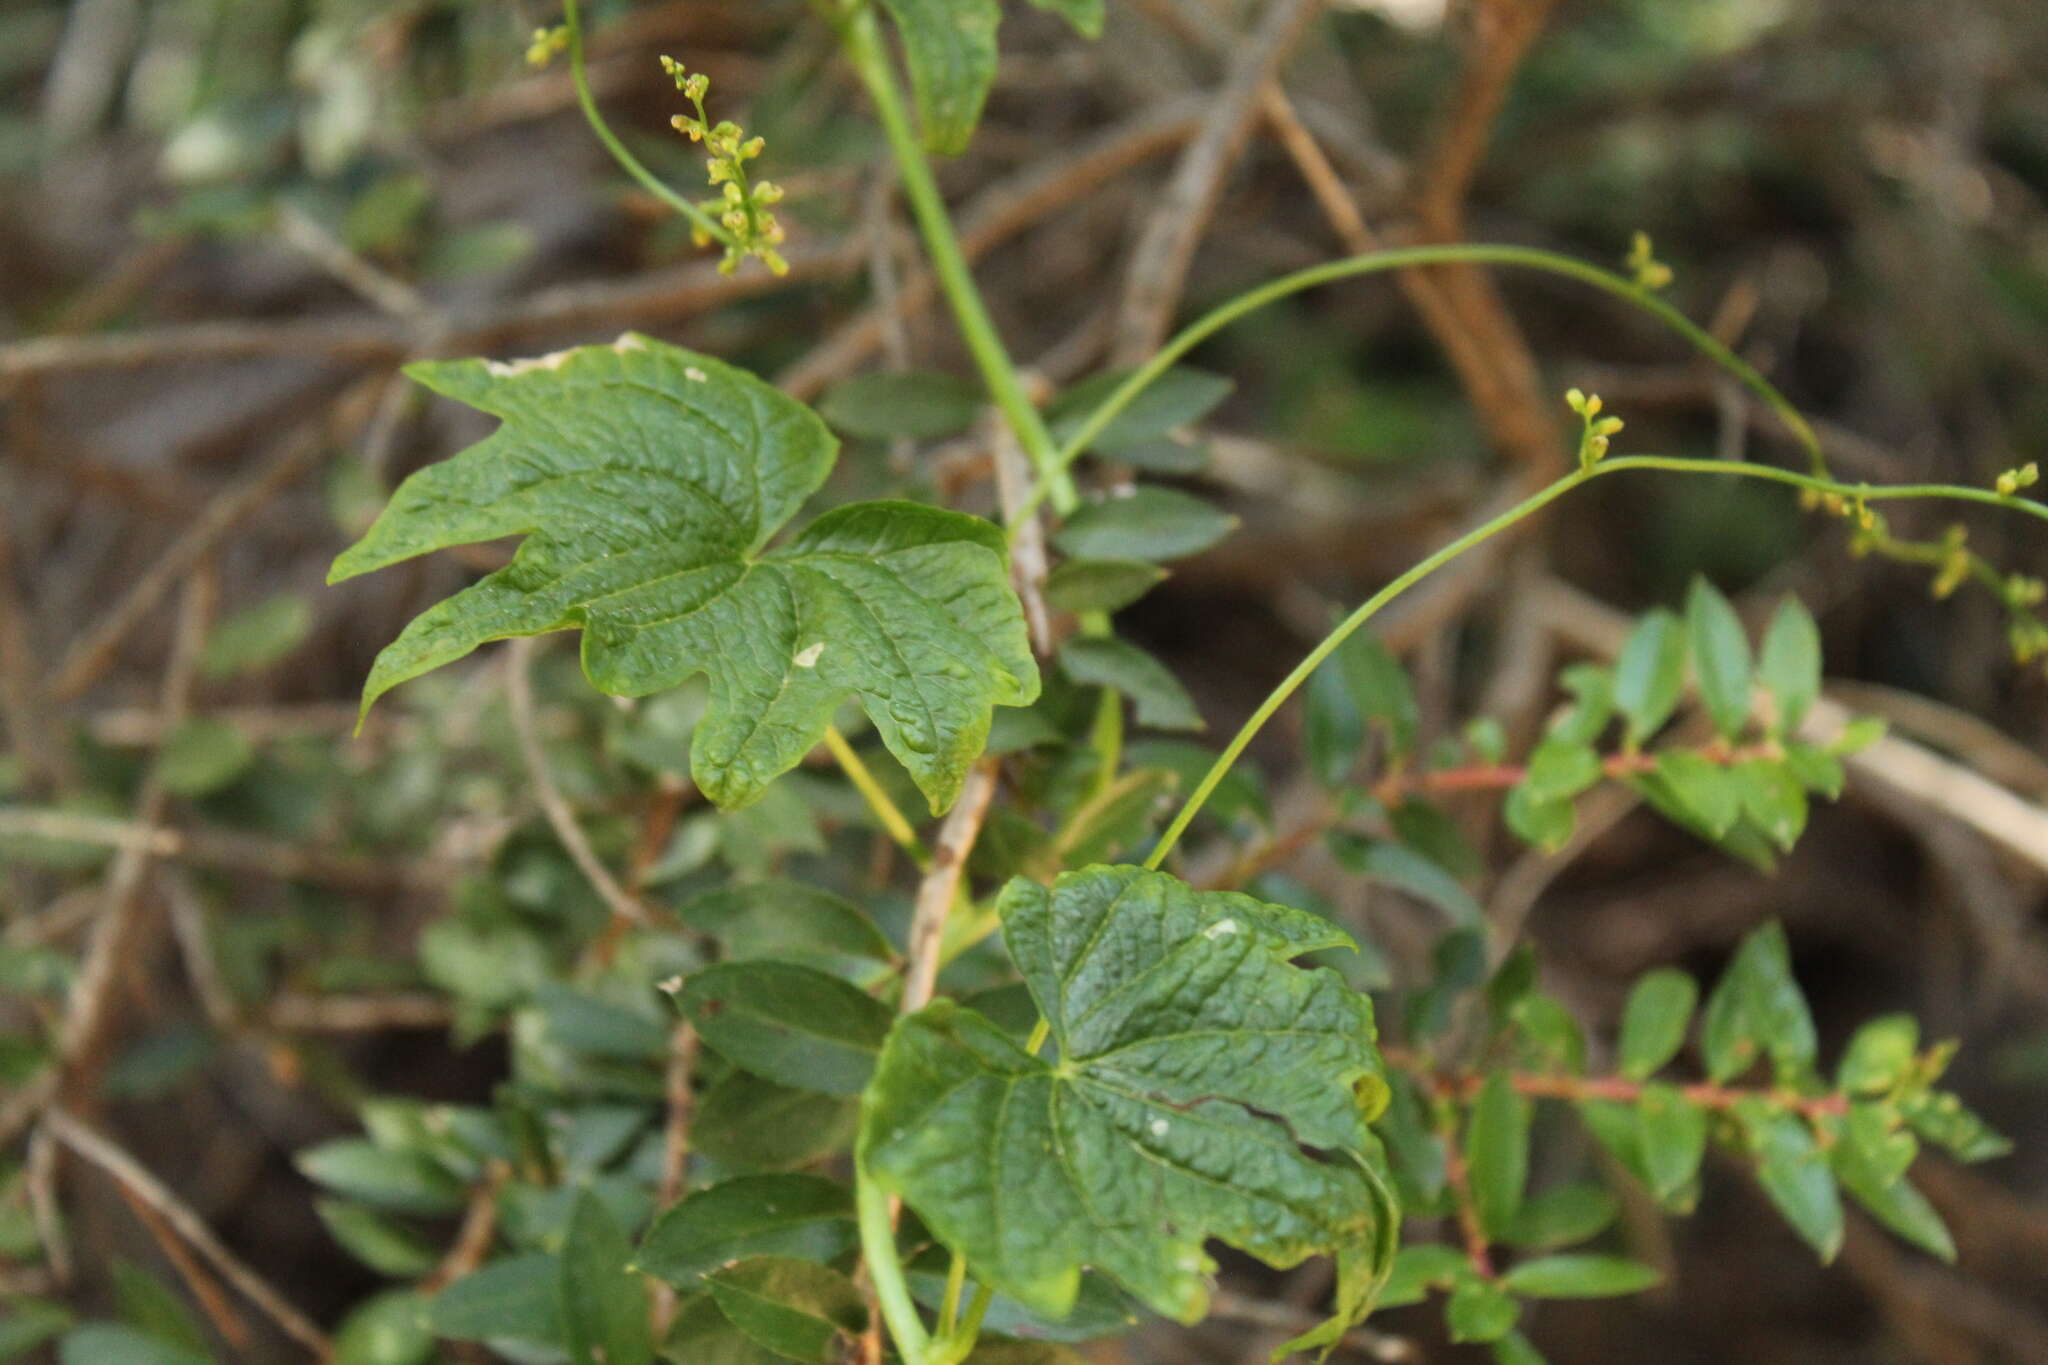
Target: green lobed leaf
{"x": 1720, "y": 656}
{"x": 950, "y": 48}
{"x": 1100, "y": 584}
{"x": 1580, "y": 1276}
{"x": 648, "y": 481}
{"x": 604, "y": 1301}
{"x": 806, "y": 1216}
{"x": 1789, "y": 665}
{"x": 1150, "y": 524}
{"x": 797, "y": 1309}
{"x": 1649, "y": 675}
{"x": 786, "y": 1023}
{"x": 1203, "y": 1087}
{"x": 1654, "y": 1022}
{"x": 1102, "y": 661}
{"x": 1757, "y": 1008}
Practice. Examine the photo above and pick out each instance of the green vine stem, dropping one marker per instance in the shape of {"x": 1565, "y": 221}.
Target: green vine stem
{"x": 1856, "y": 494}
{"x": 892, "y": 1291}
{"x": 579, "y": 77}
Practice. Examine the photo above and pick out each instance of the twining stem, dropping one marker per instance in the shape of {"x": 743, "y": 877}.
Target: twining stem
{"x": 886, "y": 811}
{"x": 863, "y": 43}
{"x": 1401, "y": 258}
{"x": 892, "y": 1291}
{"x": 1854, "y": 493}
{"x": 580, "y": 78}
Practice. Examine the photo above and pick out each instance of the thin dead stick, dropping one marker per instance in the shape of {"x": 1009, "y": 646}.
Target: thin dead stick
{"x": 228, "y": 850}
{"x": 123, "y": 1168}
{"x": 195, "y": 947}
{"x": 40, "y": 1180}
{"x": 93, "y": 652}
{"x": 479, "y": 1229}
{"x": 1166, "y": 248}
{"x": 1028, "y": 565}
{"x": 993, "y": 217}
{"x": 212, "y": 1299}
{"x": 519, "y": 692}
{"x": 357, "y": 1013}
{"x": 385, "y": 291}
{"x": 90, "y": 1007}
{"x": 682, "y": 1111}
{"x": 941, "y": 884}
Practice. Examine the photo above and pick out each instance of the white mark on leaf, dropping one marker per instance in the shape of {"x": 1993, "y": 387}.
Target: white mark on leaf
{"x": 1159, "y": 1127}
{"x": 807, "y": 657}
{"x": 695, "y": 375}
{"x": 505, "y": 369}
{"x": 1222, "y": 928}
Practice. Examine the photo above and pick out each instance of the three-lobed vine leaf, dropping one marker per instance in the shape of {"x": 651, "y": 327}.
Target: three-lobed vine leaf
{"x": 1202, "y": 1086}
{"x": 648, "y": 481}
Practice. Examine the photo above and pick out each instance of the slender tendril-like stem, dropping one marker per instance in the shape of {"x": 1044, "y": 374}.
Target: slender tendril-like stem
{"x": 892, "y": 1291}
{"x": 863, "y": 43}
{"x": 1855, "y": 493}
{"x": 887, "y": 812}
{"x": 579, "y": 77}
{"x": 1402, "y": 258}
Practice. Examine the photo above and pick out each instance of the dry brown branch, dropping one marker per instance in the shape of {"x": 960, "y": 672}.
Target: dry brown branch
{"x": 195, "y": 947}
{"x": 941, "y": 885}
{"x": 994, "y": 216}
{"x": 228, "y": 850}
{"x": 212, "y": 1299}
{"x": 384, "y": 291}
{"x": 357, "y": 1013}
{"x": 88, "y": 1015}
{"x": 1166, "y": 247}
{"x": 479, "y": 1229}
{"x": 40, "y": 1179}
{"x": 682, "y": 1112}
{"x": 188, "y": 1225}
{"x": 561, "y": 819}
{"x": 93, "y": 651}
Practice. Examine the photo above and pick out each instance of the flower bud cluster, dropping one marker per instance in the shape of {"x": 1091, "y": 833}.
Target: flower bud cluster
{"x": 743, "y": 207}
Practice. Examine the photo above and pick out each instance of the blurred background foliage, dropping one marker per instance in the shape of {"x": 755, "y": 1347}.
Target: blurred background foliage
{"x": 278, "y": 200}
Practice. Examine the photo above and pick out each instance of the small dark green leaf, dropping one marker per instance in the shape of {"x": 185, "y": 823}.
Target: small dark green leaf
{"x": 1401, "y": 867}
{"x": 1794, "y": 1173}
{"x": 1859, "y": 734}
{"x": 1654, "y": 1022}
{"x": 1592, "y": 689}
{"x": 1497, "y": 1153}
{"x": 1152, "y": 524}
{"x": 1479, "y": 1310}
{"x": 1887, "y": 1195}
{"x": 1584, "y": 1276}
{"x": 917, "y": 404}
{"x": 1100, "y": 584}
{"x": 604, "y": 1301}
{"x": 1720, "y": 656}
{"x": 1789, "y": 665}
{"x": 1102, "y": 661}
{"x": 599, "y": 1028}
{"x": 1815, "y": 769}
{"x": 29, "y": 1323}
{"x": 148, "y": 1306}
{"x": 1772, "y": 799}
{"x": 1562, "y": 1216}
{"x": 1706, "y": 797}
{"x": 1516, "y": 1349}
{"x": 1178, "y": 398}
{"x": 257, "y": 637}
{"x": 1757, "y": 1007}
{"x": 1559, "y": 770}
{"x": 1944, "y": 1121}
{"x": 747, "y": 1124}
{"x": 1086, "y": 17}
{"x": 386, "y": 1246}
{"x": 1649, "y": 676}
{"x": 1380, "y": 687}
{"x": 797, "y": 1309}
{"x": 792, "y": 921}
{"x": 804, "y": 1216}
{"x": 388, "y": 1329}
{"x": 517, "y": 1299}
{"x": 105, "y": 1343}
{"x": 1879, "y": 1055}
{"x": 1547, "y": 825}
{"x": 950, "y": 48}
{"x": 711, "y": 1338}
{"x": 401, "y": 1181}
{"x": 1673, "y": 1135}
{"x": 202, "y": 756}
{"x": 1115, "y": 818}
{"x": 787, "y": 1023}
{"x": 1419, "y": 1268}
